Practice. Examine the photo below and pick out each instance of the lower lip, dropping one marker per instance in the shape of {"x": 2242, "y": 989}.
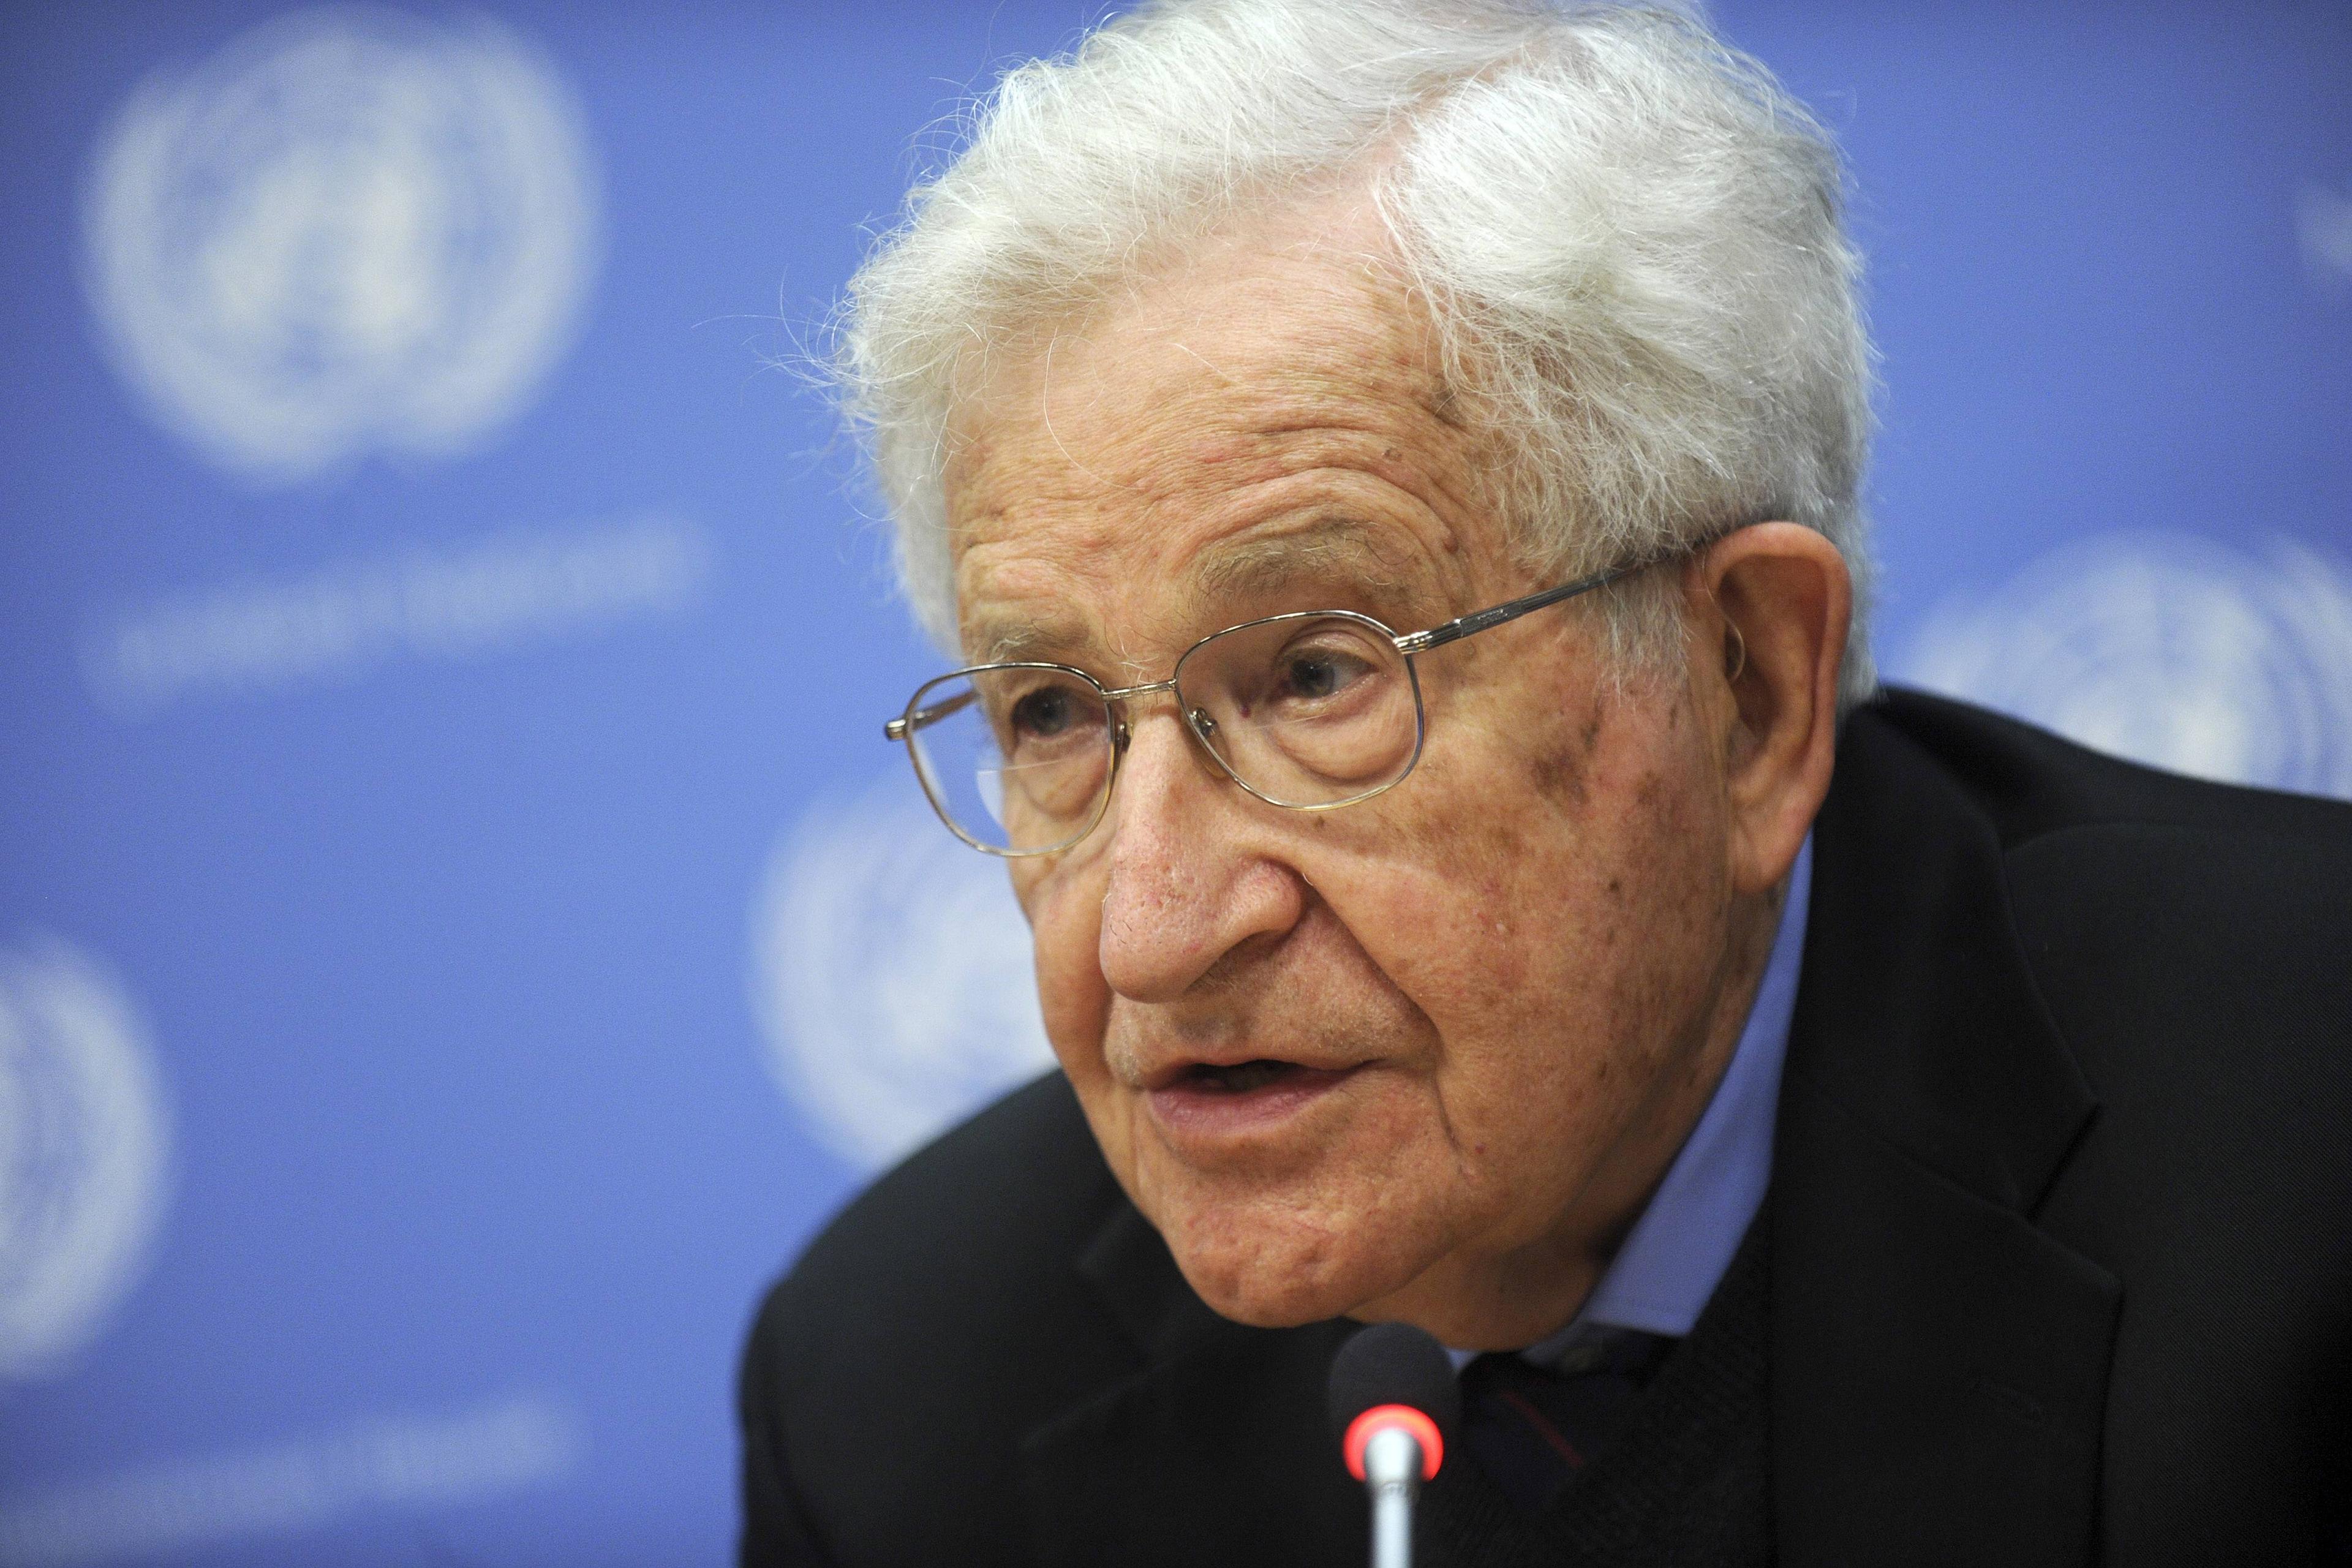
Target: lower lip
{"x": 1191, "y": 1110}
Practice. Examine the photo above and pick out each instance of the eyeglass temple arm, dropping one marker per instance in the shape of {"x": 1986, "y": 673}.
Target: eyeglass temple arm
{"x": 915, "y": 718}
{"x": 1479, "y": 621}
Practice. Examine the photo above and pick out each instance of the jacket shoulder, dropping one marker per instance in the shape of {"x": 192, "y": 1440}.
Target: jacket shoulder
{"x": 2029, "y": 782}
{"x": 2130, "y": 885}
{"x": 2176, "y": 929}
{"x": 932, "y": 1323}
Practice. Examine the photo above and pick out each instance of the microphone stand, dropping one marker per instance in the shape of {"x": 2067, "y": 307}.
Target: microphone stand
{"x": 1392, "y": 1475}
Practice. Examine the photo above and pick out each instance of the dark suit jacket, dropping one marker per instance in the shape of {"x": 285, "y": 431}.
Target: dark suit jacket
{"x": 2059, "y": 1231}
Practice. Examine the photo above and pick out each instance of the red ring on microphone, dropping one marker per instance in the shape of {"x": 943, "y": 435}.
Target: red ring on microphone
{"x": 1423, "y": 1430}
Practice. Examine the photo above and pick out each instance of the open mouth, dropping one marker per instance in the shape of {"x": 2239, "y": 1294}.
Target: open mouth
{"x": 1239, "y": 1079}
{"x": 1203, "y": 1103}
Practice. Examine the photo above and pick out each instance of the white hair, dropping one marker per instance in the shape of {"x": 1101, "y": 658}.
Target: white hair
{"x": 1625, "y": 233}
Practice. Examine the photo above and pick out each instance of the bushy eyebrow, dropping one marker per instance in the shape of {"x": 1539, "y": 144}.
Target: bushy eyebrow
{"x": 1051, "y": 641}
{"x": 1261, "y": 565}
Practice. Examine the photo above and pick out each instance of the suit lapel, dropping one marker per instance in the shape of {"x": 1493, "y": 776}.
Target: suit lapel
{"x": 1216, "y": 1450}
{"x": 1938, "y": 1364}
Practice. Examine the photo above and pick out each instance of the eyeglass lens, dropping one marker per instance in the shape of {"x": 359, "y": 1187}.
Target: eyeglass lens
{"x": 1304, "y": 711}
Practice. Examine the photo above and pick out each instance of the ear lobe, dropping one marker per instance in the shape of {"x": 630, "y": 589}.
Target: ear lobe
{"x": 1784, "y": 598}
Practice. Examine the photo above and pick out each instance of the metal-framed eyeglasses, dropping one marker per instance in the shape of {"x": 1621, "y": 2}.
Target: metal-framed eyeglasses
{"x": 1310, "y": 712}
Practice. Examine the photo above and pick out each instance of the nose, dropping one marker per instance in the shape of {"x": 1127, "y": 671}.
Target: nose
{"x": 1189, "y": 877}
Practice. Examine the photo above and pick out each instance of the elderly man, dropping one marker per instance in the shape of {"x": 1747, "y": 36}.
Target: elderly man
{"x": 1390, "y": 469}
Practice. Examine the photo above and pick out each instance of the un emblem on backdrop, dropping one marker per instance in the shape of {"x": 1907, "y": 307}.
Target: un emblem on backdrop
{"x": 891, "y": 973}
{"x": 350, "y": 230}
{"x": 84, "y": 1149}
{"x": 2225, "y": 664}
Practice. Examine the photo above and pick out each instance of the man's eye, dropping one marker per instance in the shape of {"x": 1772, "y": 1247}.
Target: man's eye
{"x": 1045, "y": 714}
{"x": 1310, "y": 674}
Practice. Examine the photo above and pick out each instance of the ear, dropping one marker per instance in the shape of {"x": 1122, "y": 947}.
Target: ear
{"x": 1771, "y": 605}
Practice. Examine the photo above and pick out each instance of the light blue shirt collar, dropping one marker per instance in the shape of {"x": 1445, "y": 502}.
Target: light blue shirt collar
{"x": 1678, "y": 1252}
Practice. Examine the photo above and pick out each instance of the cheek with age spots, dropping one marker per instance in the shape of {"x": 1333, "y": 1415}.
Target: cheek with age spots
{"x": 1558, "y": 775}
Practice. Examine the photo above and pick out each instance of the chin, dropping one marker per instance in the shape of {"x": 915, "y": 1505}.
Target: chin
{"x": 1265, "y": 1298}
{"x": 1261, "y": 1266}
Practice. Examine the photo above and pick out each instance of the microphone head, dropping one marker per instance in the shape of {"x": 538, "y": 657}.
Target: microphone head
{"x": 1392, "y": 1364}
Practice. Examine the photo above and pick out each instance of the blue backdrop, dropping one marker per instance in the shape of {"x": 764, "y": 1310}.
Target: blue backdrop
{"x": 460, "y": 928}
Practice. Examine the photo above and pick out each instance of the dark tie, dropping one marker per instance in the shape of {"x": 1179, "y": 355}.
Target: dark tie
{"x": 1532, "y": 1428}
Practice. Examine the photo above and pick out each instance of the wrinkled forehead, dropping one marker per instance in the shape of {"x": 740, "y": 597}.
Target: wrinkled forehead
{"x": 1325, "y": 562}
{"x": 1272, "y": 421}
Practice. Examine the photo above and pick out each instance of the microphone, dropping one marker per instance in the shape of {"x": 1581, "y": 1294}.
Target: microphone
{"x": 1394, "y": 1402}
